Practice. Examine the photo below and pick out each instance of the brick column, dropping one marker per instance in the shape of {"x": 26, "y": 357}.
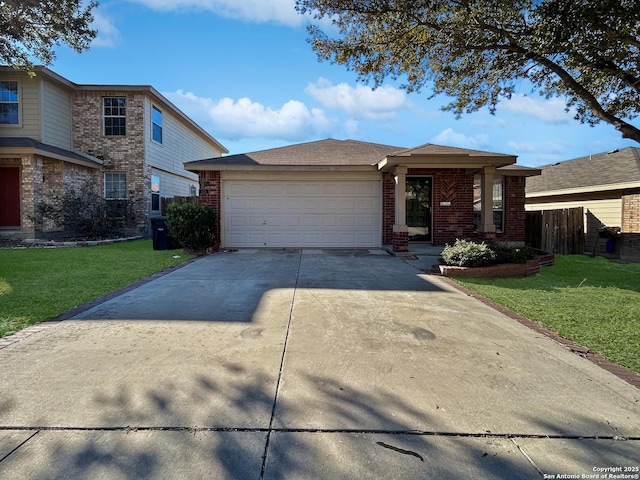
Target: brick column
{"x": 400, "y": 241}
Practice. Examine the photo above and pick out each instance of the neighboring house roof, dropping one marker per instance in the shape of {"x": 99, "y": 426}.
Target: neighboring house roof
{"x": 24, "y": 145}
{"x": 44, "y": 71}
{"x": 322, "y": 153}
{"x": 617, "y": 169}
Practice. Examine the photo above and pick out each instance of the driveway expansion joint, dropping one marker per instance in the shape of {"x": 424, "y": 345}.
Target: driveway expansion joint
{"x": 355, "y": 431}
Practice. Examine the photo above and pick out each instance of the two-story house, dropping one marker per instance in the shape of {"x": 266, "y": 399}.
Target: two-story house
{"x": 56, "y": 134}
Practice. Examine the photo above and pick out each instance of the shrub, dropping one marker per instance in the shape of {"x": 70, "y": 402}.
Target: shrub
{"x": 85, "y": 213}
{"x": 467, "y": 254}
{"x": 191, "y": 225}
{"x": 510, "y": 254}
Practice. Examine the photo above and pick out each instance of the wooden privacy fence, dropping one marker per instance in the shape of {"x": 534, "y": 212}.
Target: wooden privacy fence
{"x": 556, "y": 231}
{"x": 166, "y": 201}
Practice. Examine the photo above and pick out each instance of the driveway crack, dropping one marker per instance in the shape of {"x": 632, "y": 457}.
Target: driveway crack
{"x": 19, "y": 446}
{"x": 280, "y": 371}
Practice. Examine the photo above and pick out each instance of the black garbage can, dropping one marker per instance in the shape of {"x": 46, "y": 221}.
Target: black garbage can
{"x": 160, "y": 233}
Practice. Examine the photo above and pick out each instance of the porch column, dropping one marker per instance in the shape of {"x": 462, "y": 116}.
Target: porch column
{"x": 400, "y": 229}
{"x": 487, "y": 228}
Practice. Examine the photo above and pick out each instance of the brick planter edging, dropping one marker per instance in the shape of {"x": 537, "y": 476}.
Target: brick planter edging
{"x": 505, "y": 270}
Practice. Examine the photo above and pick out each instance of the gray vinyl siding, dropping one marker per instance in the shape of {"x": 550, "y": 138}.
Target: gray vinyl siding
{"x": 29, "y": 105}
{"x": 172, "y": 185}
{"x": 56, "y": 116}
{"x": 180, "y": 144}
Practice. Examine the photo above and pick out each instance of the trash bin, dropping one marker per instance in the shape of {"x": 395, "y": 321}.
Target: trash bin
{"x": 160, "y": 233}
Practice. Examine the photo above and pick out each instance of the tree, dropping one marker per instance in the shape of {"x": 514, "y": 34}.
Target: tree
{"x": 31, "y": 29}
{"x": 480, "y": 51}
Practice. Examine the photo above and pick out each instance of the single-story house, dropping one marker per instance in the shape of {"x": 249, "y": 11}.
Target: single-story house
{"x": 347, "y": 193}
{"x": 606, "y": 186}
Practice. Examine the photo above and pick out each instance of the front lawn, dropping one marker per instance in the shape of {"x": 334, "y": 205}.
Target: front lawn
{"x": 592, "y": 301}
{"x": 37, "y": 284}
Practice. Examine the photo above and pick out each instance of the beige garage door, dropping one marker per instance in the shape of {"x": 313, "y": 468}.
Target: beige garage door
{"x": 302, "y": 213}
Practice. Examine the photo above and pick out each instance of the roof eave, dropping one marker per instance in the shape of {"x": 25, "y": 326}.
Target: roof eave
{"x": 91, "y": 162}
{"x": 587, "y": 189}
{"x": 444, "y": 161}
{"x": 202, "y": 166}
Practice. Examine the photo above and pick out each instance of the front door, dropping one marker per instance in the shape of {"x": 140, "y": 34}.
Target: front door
{"x": 418, "y": 205}
{"x": 9, "y": 196}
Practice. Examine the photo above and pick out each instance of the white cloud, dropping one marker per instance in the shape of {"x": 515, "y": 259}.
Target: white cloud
{"x": 360, "y": 101}
{"x": 451, "y": 138}
{"x": 547, "y": 147}
{"x": 541, "y": 153}
{"x": 243, "y": 118}
{"x": 108, "y": 34}
{"x": 549, "y": 111}
{"x": 259, "y": 11}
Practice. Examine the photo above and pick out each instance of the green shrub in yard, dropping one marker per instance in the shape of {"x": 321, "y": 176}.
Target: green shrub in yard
{"x": 191, "y": 225}
{"x": 468, "y": 254}
{"x": 84, "y": 212}
{"x": 510, "y": 254}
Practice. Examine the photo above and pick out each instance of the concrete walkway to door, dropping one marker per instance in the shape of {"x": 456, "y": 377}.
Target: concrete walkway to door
{"x": 305, "y": 364}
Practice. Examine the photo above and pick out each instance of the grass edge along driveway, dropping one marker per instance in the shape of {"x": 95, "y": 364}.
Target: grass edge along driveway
{"x": 38, "y": 284}
{"x": 592, "y": 301}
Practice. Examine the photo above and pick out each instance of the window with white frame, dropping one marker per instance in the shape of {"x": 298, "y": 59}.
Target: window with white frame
{"x": 115, "y": 186}
{"x": 115, "y": 115}
{"x": 156, "y": 121}
{"x": 498, "y": 203}
{"x": 9, "y": 103}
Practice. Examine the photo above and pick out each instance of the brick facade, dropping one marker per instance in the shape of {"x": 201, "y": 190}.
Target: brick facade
{"x": 452, "y": 210}
{"x": 631, "y": 213}
{"x": 515, "y": 214}
{"x": 388, "y": 207}
{"x": 210, "y": 191}
{"x": 120, "y": 153}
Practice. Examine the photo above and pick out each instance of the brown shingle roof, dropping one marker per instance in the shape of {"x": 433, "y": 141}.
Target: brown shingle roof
{"x": 618, "y": 166}
{"x": 431, "y": 149}
{"x": 328, "y": 152}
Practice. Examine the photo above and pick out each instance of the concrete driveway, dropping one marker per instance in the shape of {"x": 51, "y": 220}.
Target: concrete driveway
{"x": 306, "y": 364}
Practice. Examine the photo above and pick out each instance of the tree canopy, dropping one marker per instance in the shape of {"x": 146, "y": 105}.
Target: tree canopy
{"x": 31, "y": 29}
{"x": 480, "y": 51}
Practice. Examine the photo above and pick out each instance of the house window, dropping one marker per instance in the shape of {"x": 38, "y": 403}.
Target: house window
{"x": 155, "y": 193}
{"x": 9, "y": 103}
{"x": 114, "y": 109}
{"x": 498, "y": 203}
{"x": 115, "y": 186}
{"x": 156, "y": 129}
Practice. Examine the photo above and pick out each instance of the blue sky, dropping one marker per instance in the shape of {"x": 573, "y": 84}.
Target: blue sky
{"x": 244, "y": 71}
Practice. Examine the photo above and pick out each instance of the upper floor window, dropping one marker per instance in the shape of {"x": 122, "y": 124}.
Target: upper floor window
{"x": 156, "y": 120}
{"x": 114, "y": 113}
{"x": 9, "y": 103}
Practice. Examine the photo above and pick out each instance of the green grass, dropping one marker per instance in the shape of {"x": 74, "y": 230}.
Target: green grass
{"x": 592, "y": 301}
{"x": 38, "y": 284}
